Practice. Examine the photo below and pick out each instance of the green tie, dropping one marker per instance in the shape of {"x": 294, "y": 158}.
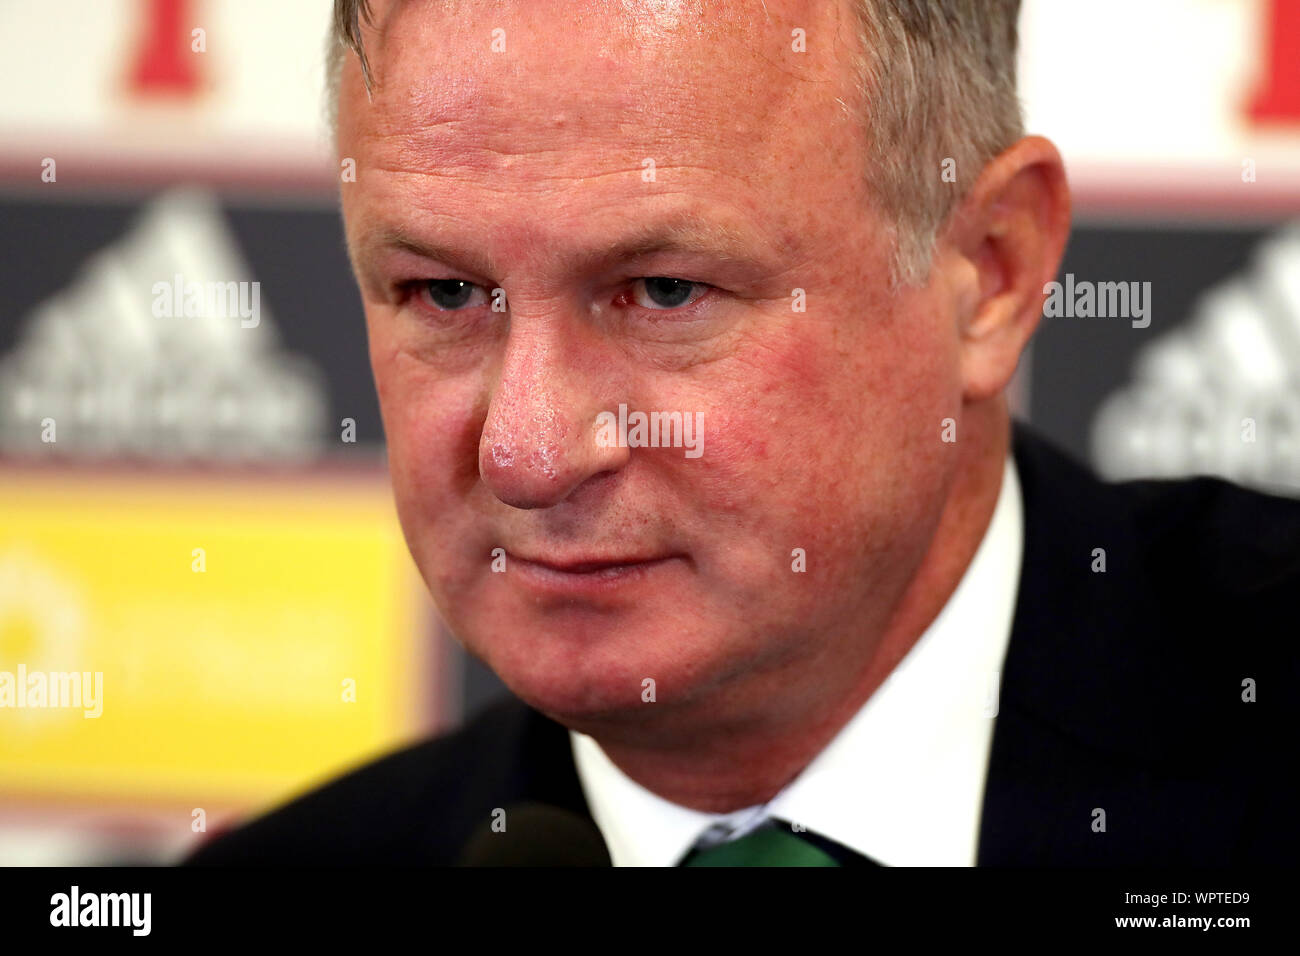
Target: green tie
{"x": 769, "y": 845}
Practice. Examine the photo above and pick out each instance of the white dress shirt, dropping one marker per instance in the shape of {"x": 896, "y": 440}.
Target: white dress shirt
{"x": 903, "y": 781}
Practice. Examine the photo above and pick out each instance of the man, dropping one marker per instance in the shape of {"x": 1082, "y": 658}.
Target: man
{"x": 826, "y": 614}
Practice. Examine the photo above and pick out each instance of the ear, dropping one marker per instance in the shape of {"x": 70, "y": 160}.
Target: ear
{"x": 1011, "y": 231}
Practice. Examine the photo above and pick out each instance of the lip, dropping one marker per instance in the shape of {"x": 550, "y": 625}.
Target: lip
{"x": 591, "y": 564}
{"x": 578, "y": 575}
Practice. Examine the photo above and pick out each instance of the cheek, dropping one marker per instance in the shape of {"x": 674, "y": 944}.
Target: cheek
{"x": 432, "y": 425}
{"x": 830, "y": 443}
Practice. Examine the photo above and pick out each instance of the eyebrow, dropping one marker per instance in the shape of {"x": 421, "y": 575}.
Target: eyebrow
{"x": 682, "y": 233}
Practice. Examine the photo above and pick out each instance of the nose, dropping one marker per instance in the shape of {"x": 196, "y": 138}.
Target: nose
{"x": 538, "y": 444}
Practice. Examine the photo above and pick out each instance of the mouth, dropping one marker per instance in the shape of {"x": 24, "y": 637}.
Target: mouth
{"x": 591, "y": 565}
{"x": 575, "y": 575}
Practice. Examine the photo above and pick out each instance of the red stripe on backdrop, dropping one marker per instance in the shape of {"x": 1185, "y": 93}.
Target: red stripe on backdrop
{"x": 162, "y": 63}
{"x": 1279, "y": 98}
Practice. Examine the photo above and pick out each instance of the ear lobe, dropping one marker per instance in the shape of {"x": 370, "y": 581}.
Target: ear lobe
{"x": 1012, "y": 228}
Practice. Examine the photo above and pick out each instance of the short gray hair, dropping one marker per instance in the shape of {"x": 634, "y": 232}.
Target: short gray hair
{"x": 939, "y": 79}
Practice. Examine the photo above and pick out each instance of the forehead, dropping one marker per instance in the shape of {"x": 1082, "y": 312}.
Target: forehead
{"x": 535, "y": 115}
{"x": 475, "y": 82}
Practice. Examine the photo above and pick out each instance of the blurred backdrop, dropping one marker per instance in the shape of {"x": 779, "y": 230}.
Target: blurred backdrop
{"x": 199, "y": 560}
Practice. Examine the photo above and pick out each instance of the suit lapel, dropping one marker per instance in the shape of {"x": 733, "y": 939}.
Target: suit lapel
{"x": 547, "y": 771}
{"x": 1087, "y": 729}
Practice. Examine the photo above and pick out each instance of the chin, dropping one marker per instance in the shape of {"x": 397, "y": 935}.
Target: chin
{"x": 581, "y": 672}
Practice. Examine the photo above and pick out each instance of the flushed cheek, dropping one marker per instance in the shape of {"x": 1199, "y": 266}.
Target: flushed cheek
{"x": 745, "y": 503}
{"x": 432, "y": 430}
{"x": 432, "y": 421}
{"x": 802, "y": 464}
{"x": 796, "y": 537}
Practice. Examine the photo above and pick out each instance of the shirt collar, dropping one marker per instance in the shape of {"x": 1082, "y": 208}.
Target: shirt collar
{"x": 902, "y": 782}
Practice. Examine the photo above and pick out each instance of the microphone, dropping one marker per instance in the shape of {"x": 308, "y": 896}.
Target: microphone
{"x": 536, "y": 834}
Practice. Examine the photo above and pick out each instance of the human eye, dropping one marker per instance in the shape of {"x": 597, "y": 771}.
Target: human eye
{"x": 664, "y": 293}
{"x": 451, "y": 295}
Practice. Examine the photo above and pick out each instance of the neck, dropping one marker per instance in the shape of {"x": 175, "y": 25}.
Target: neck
{"x": 718, "y": 758}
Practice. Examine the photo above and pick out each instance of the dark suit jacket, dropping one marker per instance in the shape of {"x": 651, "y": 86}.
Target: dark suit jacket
{"x": 1121, "y": 691}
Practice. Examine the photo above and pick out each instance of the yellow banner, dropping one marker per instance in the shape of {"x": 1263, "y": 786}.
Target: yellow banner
{"x": 230, "y": 640}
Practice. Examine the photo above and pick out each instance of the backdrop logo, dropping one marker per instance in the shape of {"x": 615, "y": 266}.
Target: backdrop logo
{"x": 43, "y": 628}
{"x": 160, "y": 348}
{"x": 1219, "y": 394}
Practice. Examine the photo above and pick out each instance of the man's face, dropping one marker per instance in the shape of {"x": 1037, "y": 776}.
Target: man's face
{"x": 527, "y": 169}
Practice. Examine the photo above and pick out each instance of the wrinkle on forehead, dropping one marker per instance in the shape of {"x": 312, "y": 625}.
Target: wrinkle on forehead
{"x": 648, "y": 49}
{"x": 664, "y": 13}
{"x": 714, "y": 83}
{"x": 621, "y": 19}
{"x": 553, "y": 128}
